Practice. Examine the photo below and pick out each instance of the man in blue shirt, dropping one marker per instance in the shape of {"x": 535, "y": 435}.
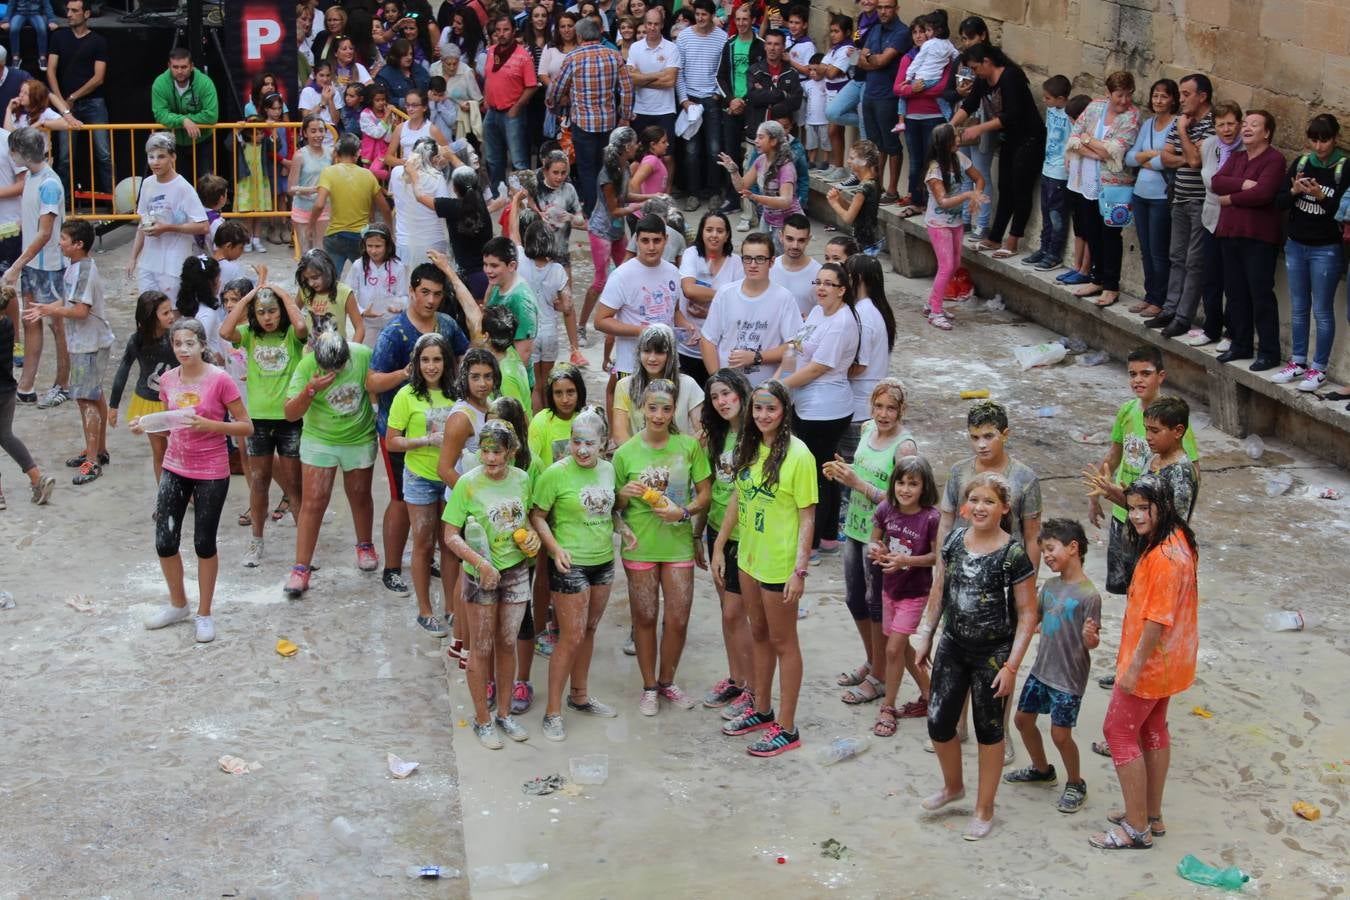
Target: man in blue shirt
{"x": 882, "y": 48}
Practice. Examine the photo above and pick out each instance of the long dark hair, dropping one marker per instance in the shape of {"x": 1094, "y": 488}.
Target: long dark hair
{"x": 509, "y": 410}
{"x": 381, "y": 230}
{"x": 850, "y": 298}
{"x": 473, "y": 212}
{"x": 715, "y": 427}
{"x": 728, "y": 248}
{"x": 749, "y": 440}
{"x": 942, "y": 151}
{"x": 472, "y": 40}
{"x": 1167, "y": 520}
{"x": 661, "y": 338}
{"x": 476, "y": 356}
{"x": 197, "y": 285}
{"x": 147, "y": 318}
{"x": 421, "y": 390}
{"x": 866, "y": 272}
{"x": 572, "y": 374}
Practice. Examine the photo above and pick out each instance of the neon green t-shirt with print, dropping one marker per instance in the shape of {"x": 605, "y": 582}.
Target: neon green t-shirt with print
{"x": 515, "y": 379}
{"x": 341, "y": 414}
{"x": 769, "y": 516}
{"x": 417, "y": 418}
{"x": 499, "y": 506}
{"x": 1128, "y": 431}
{"x": 580, "y": 504}
{"x": 724, "y": 482}
{"x": 549, "y": 436}
{"x": 673, "y": 470}
{"x": 874, "y": 466}
{"x": 270, "y": 359}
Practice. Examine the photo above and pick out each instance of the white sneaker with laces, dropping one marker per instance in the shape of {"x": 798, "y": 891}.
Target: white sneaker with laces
{"x": 166, "y": 616}
{"x": 743, "y": 224}
{"x": 1292, "y": 371}
{"x": 1196, "y": 337}
{"x": 254, "y": 554}
{"x": 206, "y": 630}
{"x": 1312, "y": 381}
{"x": 512, "y": 729}
{"x": 647, "y": 704}
{"x": 1223, "y": 346}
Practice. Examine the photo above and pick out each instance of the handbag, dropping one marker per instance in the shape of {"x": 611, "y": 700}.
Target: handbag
{"x": 1116, "y": 204}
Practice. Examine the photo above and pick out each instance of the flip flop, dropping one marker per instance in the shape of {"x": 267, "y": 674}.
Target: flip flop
{"x": 1003, "y": 253}
{"x": 983, "y": 246}
{"x": 1100, "y": 748}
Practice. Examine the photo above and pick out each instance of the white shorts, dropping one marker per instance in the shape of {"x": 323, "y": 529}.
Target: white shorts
{"x": 816, "y": 137}
{"x": 545, "y": 343}
{"x": 157, "y": 281}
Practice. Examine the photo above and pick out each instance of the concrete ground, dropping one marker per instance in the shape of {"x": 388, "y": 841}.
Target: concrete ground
{"x": 113, "y": 733}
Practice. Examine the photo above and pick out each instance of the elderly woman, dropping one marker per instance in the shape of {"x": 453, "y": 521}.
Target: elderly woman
{"x": 1101, "y": 183}
{"x": 461, "y": 88}
{"x": 1249, "y": 239}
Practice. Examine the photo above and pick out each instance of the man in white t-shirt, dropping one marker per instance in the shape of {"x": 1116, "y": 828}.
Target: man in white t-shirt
{"x": 171, "y": 216}
{"x": 750, "y": 321}
{"x": 794, "y": 270}
{"x": 655, "y": 65}
{"x": 36, "y": 270}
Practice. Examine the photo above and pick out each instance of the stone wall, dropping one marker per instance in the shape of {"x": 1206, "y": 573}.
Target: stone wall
{"x": 1291, "y": 57}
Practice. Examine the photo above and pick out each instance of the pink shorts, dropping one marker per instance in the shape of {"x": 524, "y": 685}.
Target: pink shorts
{"x": 302, "y": 216}
{"x": 604, "y": 251}
{"x": 634, "y": 565}
{"x": 901, "y": 615}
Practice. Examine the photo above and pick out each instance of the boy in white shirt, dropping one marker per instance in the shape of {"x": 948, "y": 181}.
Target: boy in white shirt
{"x": 815, "y": 126}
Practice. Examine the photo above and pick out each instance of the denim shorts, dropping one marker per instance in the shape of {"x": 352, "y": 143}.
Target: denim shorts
{"x": 579, "y": 577}
{"x": 333, "y": 456}
{"x": 513, "y": 586}
{"x": 419, "y": 491}
{"x": 1040, "y": 698}
{"x": 86, "y": 374}
{"x": 275, "y": 436}
{"x": 40, "y": 285}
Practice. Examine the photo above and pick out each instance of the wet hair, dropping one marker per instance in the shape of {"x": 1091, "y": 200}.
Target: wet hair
{"x": 197, "y": 285}
{"x": 620, "y": 139}
{"x": 1172, "y": 90}
{"x": 714, "y": 426}
{"x": 751, "y": 438}
{"x": 568, "y": 372}
{"x": 348, "y": 146}
{"x": 782, "y": 156}
{"x": 728, "y": 248}
{"x": 1168, "y": 518}
{"x": 476, "y": 356}
{"x": 1323, "y": 127}
{"x": 661, "y": 387}
{"x": 80, "y": 232}
{"x": 315, "y": 260}
{"x": 420, "y": 388}
{"x": 592, "y": 417}
{"x": 498, "y": 434}
{"x": 188, "y": 323}
{"x": 918, "y": 466}
{"x": 1066, "y": 531}
{"x": 502, "y": 248}
{"x": 499, "y": 324}
{"x": 1077, "y": 103}
{"x": 538, "y": 242}
{"x": 147, "y": 316}
{"x": 1001, "y": 488}
{"x": 942, "y": 151}
{"x": 264, "y": 295}
{"x": 865, "y": 271}
{"x": 472, "y": 215}
{"x": 1149, "y": 354}
{"x": 987, "y": 412}
{"x": 161, "y": 140}
{"x": 331, "y": 352}
{"x": 211, "y": 189}
{"x": 1057, "y": 86}
{"x": 896, "y": 388}
{"x": 509, "y": 410}
{"x": 1170, "y": 412}
{"x": 1120, "y": 81}
{"x": 27, "y": 145}
{"x": 867, "y": 153}
{"x": 427, "y": 272}
{"x": 659, "y": 338}
{"x": 850, "y": 246}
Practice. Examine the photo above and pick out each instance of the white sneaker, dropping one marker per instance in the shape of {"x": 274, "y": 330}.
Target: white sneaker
{"x": 167, "y": 615}
{"x": 553, "y": 728}
{"x": 743, "y": 224}
{"x": 1223, "y": 346}
{"x": 512, "y": 729}
{"x": 487, "y": 735}
{"x": 1312, "y": 381}
{"x": 1292, "y": 371}
{"x": 258, "y": 246}
{"x": 1196, "y": 337}
{"x": 647, "y": 705}
{"x": 206, "y": 631}
{"x": 254, "y": 554}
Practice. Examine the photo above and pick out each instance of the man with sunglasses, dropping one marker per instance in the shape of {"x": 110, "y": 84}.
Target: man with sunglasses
{"x": 184, "y": 99}
{"x": 750, "y": 321}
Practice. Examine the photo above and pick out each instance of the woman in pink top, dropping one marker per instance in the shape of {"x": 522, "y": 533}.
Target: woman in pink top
{"x": 196, "y": 468}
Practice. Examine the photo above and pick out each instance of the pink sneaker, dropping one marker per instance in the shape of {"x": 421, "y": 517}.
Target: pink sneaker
{"x": 743, "y": 704}
{"x": 367, "y": 560}
{"x": 579, "y": 359}
{"x": 673, "y": 694}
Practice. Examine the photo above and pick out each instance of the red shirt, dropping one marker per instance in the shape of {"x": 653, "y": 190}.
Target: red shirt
{"x": 503, "y": 86}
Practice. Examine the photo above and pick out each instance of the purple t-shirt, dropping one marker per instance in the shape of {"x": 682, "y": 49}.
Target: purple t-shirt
{"x": 914, "y": 534}
{"x": 200, "y": 455}
{"x": 771, "y": 183}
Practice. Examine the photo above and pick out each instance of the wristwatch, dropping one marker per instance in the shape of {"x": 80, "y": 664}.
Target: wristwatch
{"x": 800, "y": 573}
{"x": 759, "y": 357}
{"x": 684, "y": 514}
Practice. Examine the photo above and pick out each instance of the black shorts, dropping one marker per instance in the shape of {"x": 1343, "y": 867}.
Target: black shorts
{"x": 277, "y": 436}
{"x": 393, "y": 467}
{"x": 731, "y": 573}
{"x": 578, "y": 578}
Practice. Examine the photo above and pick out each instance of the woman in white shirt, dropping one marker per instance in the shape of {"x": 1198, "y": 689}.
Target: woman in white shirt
{"x": 878, "y": 339}
{"x": 817, "y": 374}
{"x": 417, "y": 228}
{"x": 708, "y": 265}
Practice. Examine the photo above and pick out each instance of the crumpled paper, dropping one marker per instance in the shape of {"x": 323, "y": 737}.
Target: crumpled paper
{"x": 236, "y": 766}
{"x": 545, "y": 784}
{"x": 401, "y": 768}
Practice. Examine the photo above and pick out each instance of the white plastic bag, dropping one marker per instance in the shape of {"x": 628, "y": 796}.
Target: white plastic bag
{"x": 1040, "y": 355}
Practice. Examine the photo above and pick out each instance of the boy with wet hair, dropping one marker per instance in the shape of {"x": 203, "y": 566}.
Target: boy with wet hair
{"x": 499, "y": 324}
{"x": 1068, "y": 602}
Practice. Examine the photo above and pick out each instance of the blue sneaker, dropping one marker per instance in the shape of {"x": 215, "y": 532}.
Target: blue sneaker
{"x": 1073, "y": 277}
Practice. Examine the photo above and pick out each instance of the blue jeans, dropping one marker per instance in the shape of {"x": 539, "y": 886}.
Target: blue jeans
{"x": 35, "y": 21}
{"x": 1153, "y": 224}
{"x": 90, "y": 111}
{"x": 590, "y": 145}
{"x": 918, "y": 138}
{"x": 503, "y": 137}
{"x": 342, "y": 247}
{"x": 844, "y": 108}
{"x": 1054, "y": 217}
{"x": 983, "y": 163}
{"x": 1314, "y": 272}
{"x": 879, "y": 117}
{"x": 702, "y": 171}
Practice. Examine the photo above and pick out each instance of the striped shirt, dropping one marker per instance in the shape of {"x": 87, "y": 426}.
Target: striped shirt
{"x": 591, "y": 75}
{"x": 700, "y": 55}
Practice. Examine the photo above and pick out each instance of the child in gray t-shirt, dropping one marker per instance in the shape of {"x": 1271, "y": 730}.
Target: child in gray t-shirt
{"x": 1070, "y": 610}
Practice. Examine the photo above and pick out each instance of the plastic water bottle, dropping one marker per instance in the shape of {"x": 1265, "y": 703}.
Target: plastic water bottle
{"x": 433, "y": 872}
{"x": 1289, "y": 620}
{"x": 345, "y": 833}
{"x": 1230, "y": 879}
{"x": 1095, "y": 358}
{"x": 1049, "y": 412}
{"x": 1279, "y": 483}
{"x": 841, "y": 749}
{"x": 477, "y": 539}
{"x": 789, "y": 364}
{"x": 6, "y": 600}
{"x": 1254, "y": 446}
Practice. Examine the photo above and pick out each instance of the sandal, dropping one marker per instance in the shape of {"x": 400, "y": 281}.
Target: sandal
{"x": 886, "y": 722}
{"x": 1117, "y": 818}
{"x": 1101, "y": 749}
{"x": 941, "y": 322}
{"x": 282, "y": 508}
{"x": 864, "y": 692}
{"x": 857, "y": 676}
{"x": 982, "y": 245}
{"x": 1111, "y": 840}
{"x": 1150, "y": 311}
{"x": 245, "y": 520}
{"x": 1003, "y": 253}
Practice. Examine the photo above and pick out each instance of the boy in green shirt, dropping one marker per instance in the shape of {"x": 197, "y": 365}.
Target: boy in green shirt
{"x": 510, "y": 290}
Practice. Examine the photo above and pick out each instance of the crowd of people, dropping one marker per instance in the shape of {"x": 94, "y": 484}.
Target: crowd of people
{"x": 750, "y": 427}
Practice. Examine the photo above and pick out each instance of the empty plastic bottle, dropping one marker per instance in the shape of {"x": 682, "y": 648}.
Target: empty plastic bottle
{"x": 432, "y": 872}
{"x": 6, "y": 600}
{"x": 1289, "y": 620}
{"x": 477, "y": 538}
{"x": 1279, "y": 483}
{"x": 1094, "y": 358}
{"x": 345, "y": 833}
{"x": 841, "y": 749}
{"x": 789, "y": 364}
{"x": 1230, "y": 879}
{"x": 1049, "y": 412}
